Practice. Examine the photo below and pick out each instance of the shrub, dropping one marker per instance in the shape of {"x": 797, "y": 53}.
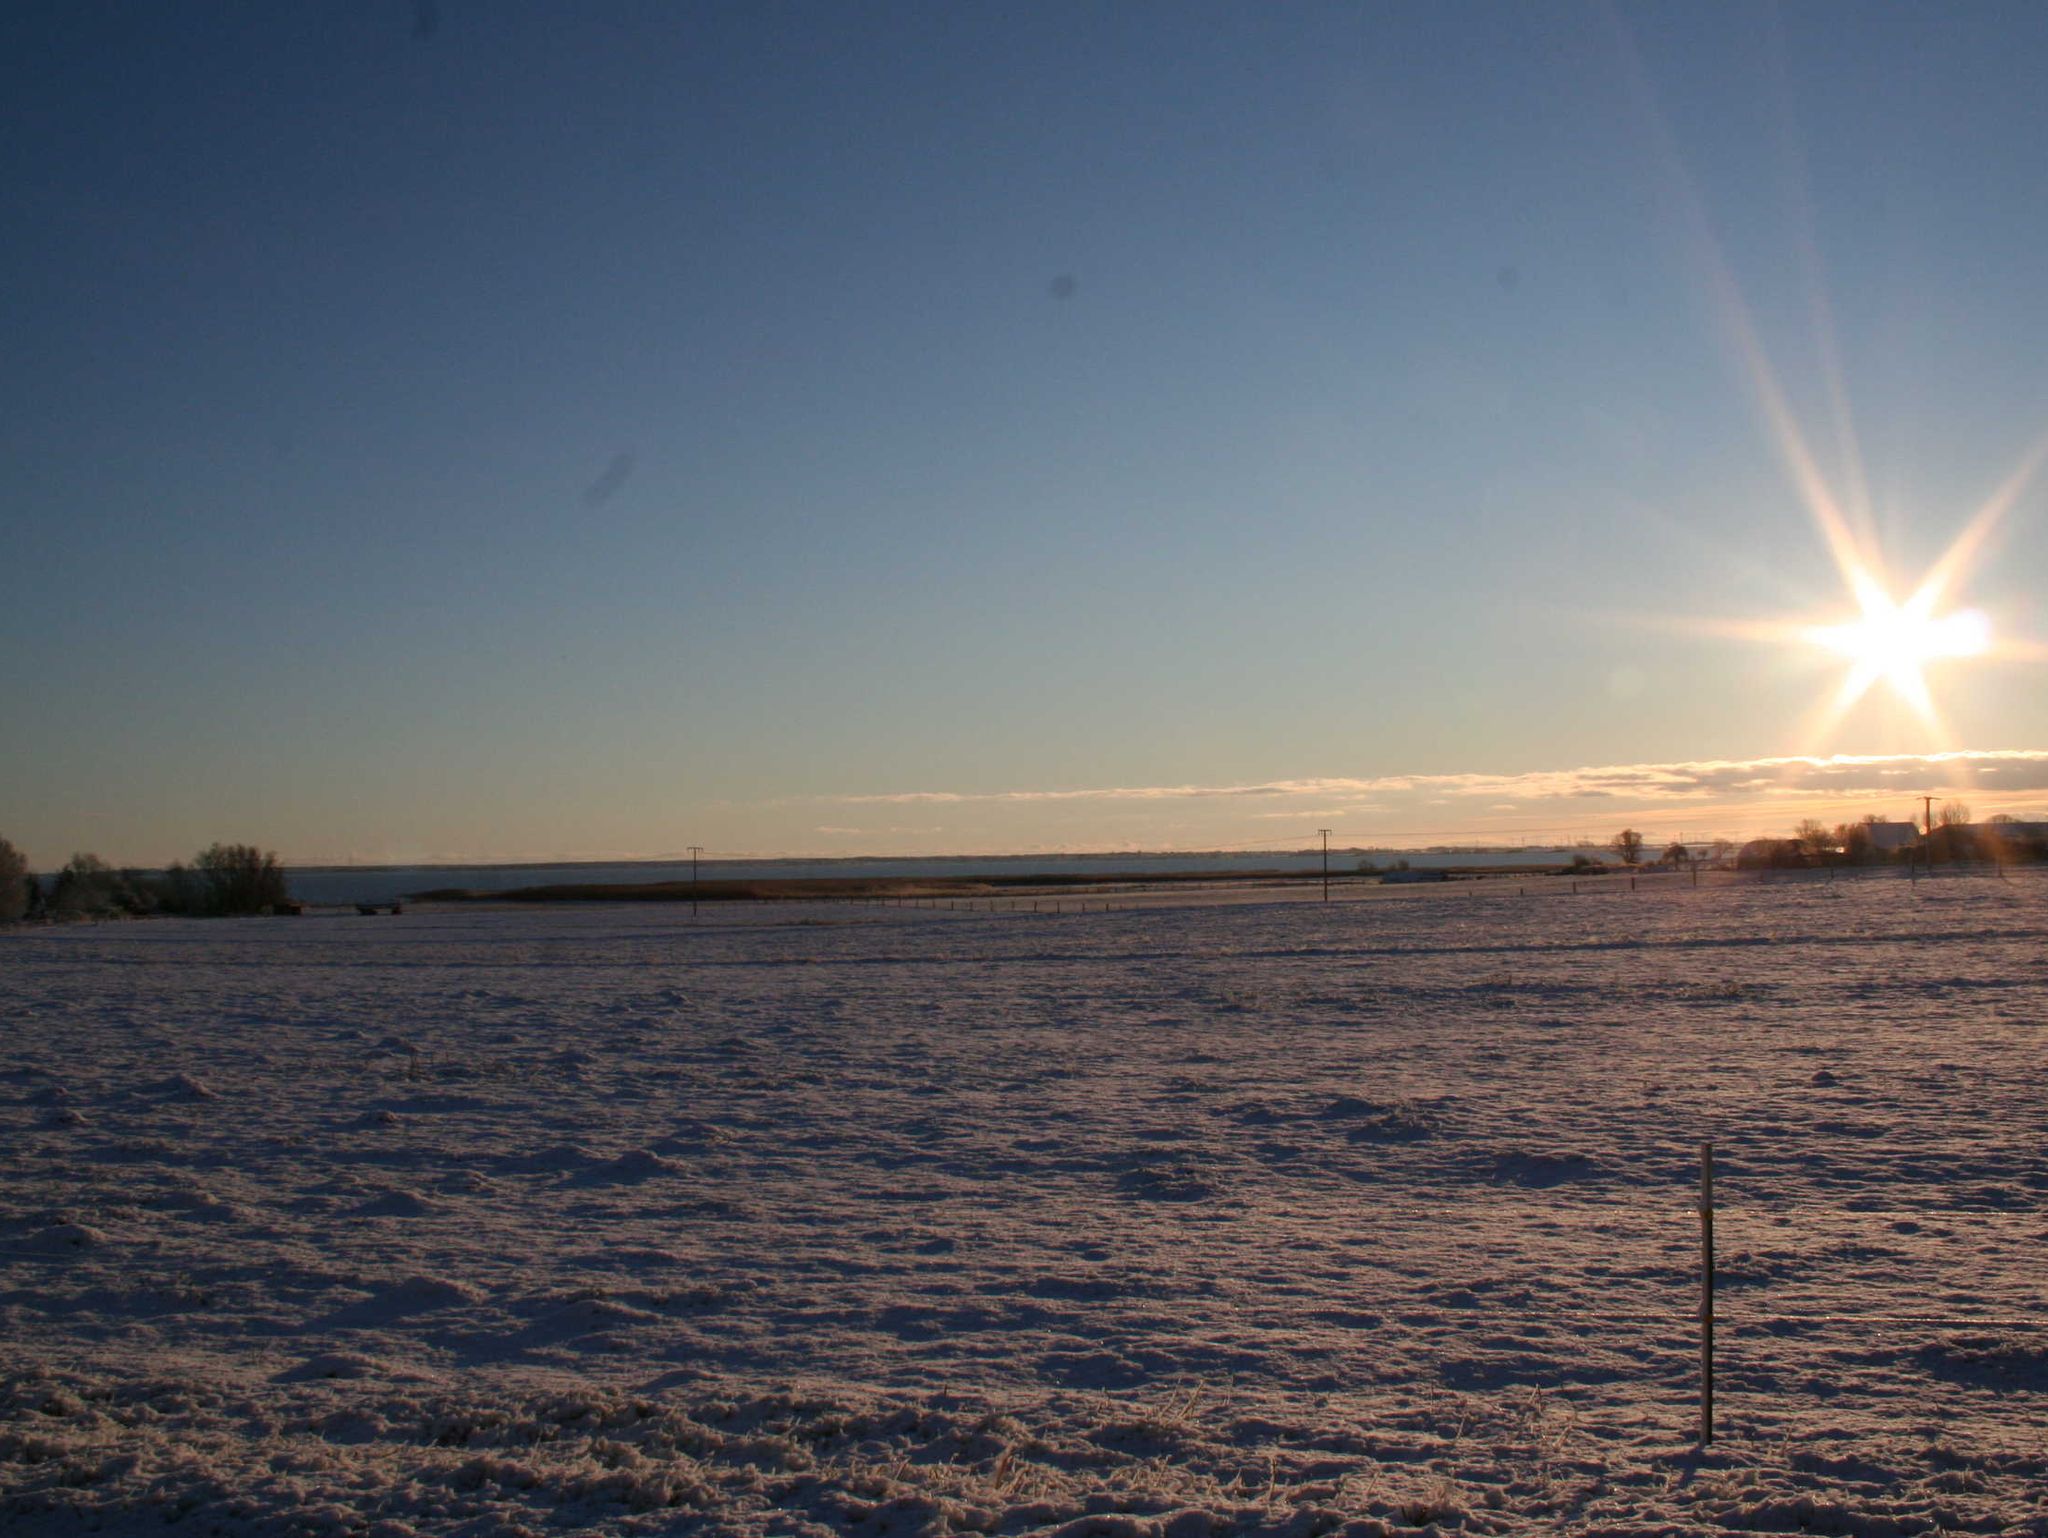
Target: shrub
{"x": 14, "y": 882}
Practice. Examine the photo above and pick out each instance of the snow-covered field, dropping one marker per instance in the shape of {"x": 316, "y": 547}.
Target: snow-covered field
{"x": 1209, "y": 1218}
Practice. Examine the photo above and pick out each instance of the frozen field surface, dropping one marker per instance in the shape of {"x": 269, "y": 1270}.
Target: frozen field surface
{"x": 1274, "y": 1217}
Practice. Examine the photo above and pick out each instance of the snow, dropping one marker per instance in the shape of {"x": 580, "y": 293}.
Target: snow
{"x": 1159, "y": 1223}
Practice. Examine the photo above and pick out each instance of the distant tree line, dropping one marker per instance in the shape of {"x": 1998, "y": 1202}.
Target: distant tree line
{"x": 222, "y": 879}
{"x": 16, "y": 883}
{"x": 1954, "y": 840}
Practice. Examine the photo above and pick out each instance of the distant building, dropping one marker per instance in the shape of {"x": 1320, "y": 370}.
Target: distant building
{"x": 1891, "y": 837}
{"x": 2013, "y": 831}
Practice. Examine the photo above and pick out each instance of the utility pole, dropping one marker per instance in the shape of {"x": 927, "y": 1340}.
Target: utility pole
{"x": 695, "y": 850}
{"x": 1326, "y": 862}
{"x": 1927, "y": 814}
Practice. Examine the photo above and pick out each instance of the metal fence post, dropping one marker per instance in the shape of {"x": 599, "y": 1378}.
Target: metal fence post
{"x": 1706, "y": 1294}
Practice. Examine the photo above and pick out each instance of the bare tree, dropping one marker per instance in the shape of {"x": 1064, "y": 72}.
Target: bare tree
{"x": 1853, "y": 839}
{"x": 239, "y": 878}
{"x": 1628, "y": 844}
{"x": 14, "y": 881}
{"x": 84, "y": 886}
{"x": 1815, "y": 839}
{"x": 1952, "y": 831}
{"x": 1676, "y": 853}
{"x": 1720, "y": 852}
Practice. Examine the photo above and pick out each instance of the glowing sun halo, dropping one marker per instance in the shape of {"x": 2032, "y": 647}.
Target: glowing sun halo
{"x": 1896, "y": 642}
{"x": 1884, "y": 638}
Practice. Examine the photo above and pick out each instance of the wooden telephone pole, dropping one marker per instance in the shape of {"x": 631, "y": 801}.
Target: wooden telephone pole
{"x": 1326, "y": 862}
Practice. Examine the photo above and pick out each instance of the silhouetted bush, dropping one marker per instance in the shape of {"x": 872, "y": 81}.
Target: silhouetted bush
{"x": 88, "y": 887}
{"x": 15, "y": 882}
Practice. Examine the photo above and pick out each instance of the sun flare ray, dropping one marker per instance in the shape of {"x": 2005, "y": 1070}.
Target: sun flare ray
{"x": 1890, "y": 640}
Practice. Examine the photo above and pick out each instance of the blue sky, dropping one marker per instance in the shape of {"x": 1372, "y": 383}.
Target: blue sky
{"x": 592, "y": 430}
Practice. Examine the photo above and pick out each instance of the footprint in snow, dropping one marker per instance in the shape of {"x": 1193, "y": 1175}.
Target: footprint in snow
{"x": 1539, "y": 1170}
{"x": 1166, "y": 1183}
{"x": 66, "y": 1238}
{"x": 415, "y": 1294}
{"x": 395, "y": 1204}
{"x": 333, "y": 1364}
{"x": 631, "y": 1168}
{"x": 691, "y": 1135}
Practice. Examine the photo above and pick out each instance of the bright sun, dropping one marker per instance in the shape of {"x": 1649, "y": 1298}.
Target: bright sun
{"x": 1896, "y": 642}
